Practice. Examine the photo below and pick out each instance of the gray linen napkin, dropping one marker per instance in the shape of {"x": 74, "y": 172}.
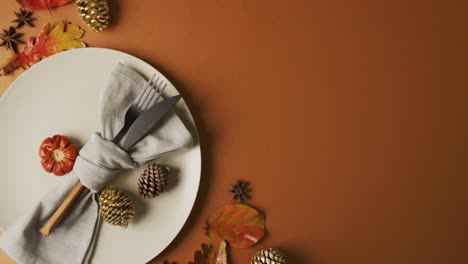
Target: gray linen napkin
{"x": 73, "y": 239}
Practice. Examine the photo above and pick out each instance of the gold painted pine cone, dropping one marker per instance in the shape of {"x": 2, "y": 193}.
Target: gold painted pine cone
{"x": 153, "y": 181}
{"x": 116, "y": 207}
{"x": 95, "y": 13}
{"x": 267, "y": 256}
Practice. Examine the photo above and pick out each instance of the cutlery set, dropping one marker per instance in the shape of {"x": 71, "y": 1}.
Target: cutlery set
{"x": 143, "y": 115}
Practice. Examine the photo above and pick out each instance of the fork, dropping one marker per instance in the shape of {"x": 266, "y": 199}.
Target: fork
{"x": 148, "y": 97}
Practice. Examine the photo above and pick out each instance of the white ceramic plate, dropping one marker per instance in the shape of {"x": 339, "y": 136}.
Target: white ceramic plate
{"x": 59, "y": 95}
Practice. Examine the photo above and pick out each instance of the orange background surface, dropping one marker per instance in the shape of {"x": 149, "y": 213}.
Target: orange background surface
{"x": 348, "y": 117}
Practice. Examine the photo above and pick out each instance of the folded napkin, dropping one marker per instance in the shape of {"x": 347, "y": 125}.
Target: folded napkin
{"x": 72, "y": 241}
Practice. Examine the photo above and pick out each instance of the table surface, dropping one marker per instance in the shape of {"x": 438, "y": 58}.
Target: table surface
{"x": 348, "y": 117}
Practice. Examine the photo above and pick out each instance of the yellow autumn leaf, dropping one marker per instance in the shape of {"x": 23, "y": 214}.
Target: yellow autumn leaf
{"x": 63, "y": 40}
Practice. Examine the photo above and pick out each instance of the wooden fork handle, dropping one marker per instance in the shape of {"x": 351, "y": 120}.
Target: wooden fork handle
{"x": 77, "y": 193}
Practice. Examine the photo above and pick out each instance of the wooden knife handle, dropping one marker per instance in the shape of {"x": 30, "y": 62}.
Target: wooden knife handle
{"x": 76, "y": 194}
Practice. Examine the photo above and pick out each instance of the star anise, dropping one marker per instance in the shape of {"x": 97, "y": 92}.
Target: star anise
{"x": 240, "y": 190}
{"x": 24, "y": 17}
{"x": 10, "y": 39}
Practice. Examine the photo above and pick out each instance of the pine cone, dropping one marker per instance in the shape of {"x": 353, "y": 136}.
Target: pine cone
{"x": 267, "y": 256}
{"x": 116, "y": 207}
{"x": 95, "y": 13}
{"x": 153, "y": 181}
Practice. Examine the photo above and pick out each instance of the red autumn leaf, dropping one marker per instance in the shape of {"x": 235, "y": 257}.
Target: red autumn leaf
{"x": 240, "y": 225}
{"x": 42, "y": 4}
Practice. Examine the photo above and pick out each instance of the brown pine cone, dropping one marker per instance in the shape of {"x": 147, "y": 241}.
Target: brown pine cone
{"x": 153, "y": 181}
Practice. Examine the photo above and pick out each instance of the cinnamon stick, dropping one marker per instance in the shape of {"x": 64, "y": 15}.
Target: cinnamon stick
{"x": 76, "y": 194}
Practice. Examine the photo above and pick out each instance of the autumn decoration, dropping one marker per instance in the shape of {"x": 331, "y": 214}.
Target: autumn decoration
{"x": 24, "y": 17}
{"x": 10, "y": 39}
{"x": 95, "y": 13}
{"x": 47, "y": 43}
{"x": 268, "y": 256}
{"x": 153, "y": 181}
{"x": 42, "y": 4}
{"x": 207, "y": 255}
{"x": 237, "y": 225}
{"x": 204, "y": 256}
{"x": 57, "y": 155}
{"x": 240, "y": 191}
{"x": 240, "y": 225}
{"x": 222, "y": 254}
{"x": 116, "y": 207}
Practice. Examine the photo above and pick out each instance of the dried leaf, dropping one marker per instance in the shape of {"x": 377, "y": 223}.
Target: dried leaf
{"x": 240, "y": 225}
{"x": 42, "y": 4}
{"x": 205, "y": 256}
{"x": 222, "y": 255}
{"x": 47, "y": 43}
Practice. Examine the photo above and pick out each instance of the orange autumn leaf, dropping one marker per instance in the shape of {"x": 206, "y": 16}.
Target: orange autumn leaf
{"x": 47, "y": 43}
{"x": 204, "y": 256}
{"x": 42, "y": 4}
{"x": 240, "y": 225}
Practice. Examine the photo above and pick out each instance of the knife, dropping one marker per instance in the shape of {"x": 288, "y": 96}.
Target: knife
{"x": 142, "y": 125}
{"x": 147, "y": 121}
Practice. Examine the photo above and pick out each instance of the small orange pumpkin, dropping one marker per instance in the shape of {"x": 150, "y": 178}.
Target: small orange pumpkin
{"x": 58, "y": 155}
